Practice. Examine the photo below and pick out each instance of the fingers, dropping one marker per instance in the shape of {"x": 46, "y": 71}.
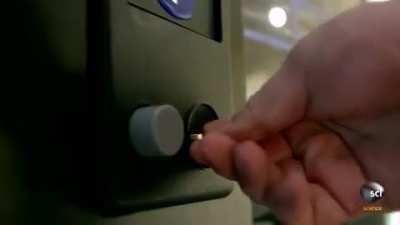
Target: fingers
{"x": 215, "y": 150}
{"x": 277, "y": 147}
{"x": 278, "y": 105}
{"x": 280, "y": 184}
{"x": 246, "y": 162}
{"x": 290, "y": 198}
{"x": 255, "y": 171}
{"x": 328, "y": 162}
{"x": 287, "y": 185}
{"x": 217, "y": 125}
{"x": 327, "y": 210}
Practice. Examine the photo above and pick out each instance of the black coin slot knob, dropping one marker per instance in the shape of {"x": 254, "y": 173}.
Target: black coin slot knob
{"x": 198, "y": 116}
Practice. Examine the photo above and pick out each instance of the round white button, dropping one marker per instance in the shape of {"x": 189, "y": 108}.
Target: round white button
{"x": 156, "y": 131}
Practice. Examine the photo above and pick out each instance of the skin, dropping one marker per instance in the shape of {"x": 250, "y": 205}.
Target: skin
{"x": 325, "y": 124}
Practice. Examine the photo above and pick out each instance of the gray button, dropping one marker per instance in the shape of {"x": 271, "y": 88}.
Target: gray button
{"x": 156, "y": 131}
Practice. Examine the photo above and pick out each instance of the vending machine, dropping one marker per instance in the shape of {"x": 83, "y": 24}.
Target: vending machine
{"x": 103, "y": 101}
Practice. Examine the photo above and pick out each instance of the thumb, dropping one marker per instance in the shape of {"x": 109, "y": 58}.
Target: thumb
{"x": 280, "y": 103}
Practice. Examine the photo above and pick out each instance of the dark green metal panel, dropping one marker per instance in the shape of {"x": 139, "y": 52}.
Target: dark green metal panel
{"x": 147, "y": 58}
{"x": 78, "y": 69}
{"x": 206, "y": 18}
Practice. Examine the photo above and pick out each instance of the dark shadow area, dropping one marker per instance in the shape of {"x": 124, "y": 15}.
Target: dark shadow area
{"x": 44, "y": 106}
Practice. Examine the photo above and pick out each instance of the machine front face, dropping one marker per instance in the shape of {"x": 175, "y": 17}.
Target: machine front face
{"x": 144, "y": 54}
{"x": 74, "y": 132}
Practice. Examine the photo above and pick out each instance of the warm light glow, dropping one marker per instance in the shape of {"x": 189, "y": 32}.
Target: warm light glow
{"x": 393, "y": 218}
{"x": 277, "y": 17}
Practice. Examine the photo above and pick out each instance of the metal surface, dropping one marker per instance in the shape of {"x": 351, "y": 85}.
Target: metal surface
{"x": 204, "y": 20}
{"x": 79, "y": 68}
{"x": 145, "y": 58}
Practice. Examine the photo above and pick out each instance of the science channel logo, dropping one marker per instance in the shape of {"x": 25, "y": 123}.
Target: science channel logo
{"x": 372, "y": 192}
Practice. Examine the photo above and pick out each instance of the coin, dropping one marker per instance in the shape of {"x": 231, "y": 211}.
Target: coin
{"x": 196, "y": 137}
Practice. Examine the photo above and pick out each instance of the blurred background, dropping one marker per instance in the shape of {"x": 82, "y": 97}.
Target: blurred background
{"x": 271, "y": 28}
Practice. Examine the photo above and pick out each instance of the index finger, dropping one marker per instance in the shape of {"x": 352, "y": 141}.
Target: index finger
{"x": 279, "y": 104}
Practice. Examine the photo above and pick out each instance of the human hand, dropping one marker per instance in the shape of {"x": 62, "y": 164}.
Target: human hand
{"x": 323, "y": 126}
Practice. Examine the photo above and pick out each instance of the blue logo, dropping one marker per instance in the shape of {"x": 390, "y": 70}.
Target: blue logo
{"x": 180, "y": 9}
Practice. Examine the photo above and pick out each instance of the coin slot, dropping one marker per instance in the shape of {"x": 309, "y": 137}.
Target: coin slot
{"x": 195, "y": 120}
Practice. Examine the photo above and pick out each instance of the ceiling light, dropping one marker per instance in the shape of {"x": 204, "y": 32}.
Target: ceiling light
{"x": 277, "y": 17}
